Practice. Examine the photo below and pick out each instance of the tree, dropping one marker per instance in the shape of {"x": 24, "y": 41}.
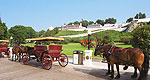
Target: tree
{"x": 99, "y": 21}
{"x": 110, "y": 21}
{"x": 70, "y": 23}
{"x": 30, "y": 32}
{"x": 20, "y": 33}
{"x": 136, "y": 16}
{"x": 3, "y": 30}
{"x": 76, "y": 22}
{"x": 140, "y": 16}
{"x": 41, "y": 33}
{"x": 51, "y": 32}
{"x": 85, "y": 23}
{"x": 144, "y": 15}
{"x": 141, "y": 38}
{"x": 91, "y": 22}
{"x": 130, "y": 19}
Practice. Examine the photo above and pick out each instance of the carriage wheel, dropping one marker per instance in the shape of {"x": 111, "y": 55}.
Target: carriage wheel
{"x": 47, "y": 62}
{"x": 25, "y": 59}
{"x": 63, "y": 60}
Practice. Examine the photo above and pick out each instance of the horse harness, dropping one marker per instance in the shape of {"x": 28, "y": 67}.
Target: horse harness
{"x": 110, "y": 51}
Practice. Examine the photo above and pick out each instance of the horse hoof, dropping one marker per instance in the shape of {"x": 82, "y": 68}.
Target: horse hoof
{"x": 133, "y": 76}
{"x": 117, "y": 77}
{"x": 108, "y": 73}
{"x": 111, "y": 77}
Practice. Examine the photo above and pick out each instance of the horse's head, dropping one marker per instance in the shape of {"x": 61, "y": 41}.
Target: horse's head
{"x": 99, "y": 49}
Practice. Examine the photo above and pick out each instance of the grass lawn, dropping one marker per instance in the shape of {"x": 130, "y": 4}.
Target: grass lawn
{"x": 68, "y": 32}
{"x": 70, "y": 47}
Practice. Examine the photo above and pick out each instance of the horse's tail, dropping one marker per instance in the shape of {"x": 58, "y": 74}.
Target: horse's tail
{"x": 145, "y": 67}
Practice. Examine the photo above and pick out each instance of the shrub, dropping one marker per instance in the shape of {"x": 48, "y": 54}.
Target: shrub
{"x": 92, "y": 43}
{"x": 84, "y": 42}
{"x": 107, "y": 39}
{"x": 141, "y": 38}
{"x": 125, "y": 40}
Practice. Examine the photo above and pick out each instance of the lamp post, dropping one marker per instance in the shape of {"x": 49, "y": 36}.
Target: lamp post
{"x": 11, "y": 38}
{"x": 88, "y": 53}
{"x": 89, "y": 34}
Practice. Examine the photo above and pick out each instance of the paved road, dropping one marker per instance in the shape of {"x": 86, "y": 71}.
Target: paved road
{"x": 10, "y": 70}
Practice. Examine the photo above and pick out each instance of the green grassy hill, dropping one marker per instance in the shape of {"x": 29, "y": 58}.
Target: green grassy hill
{"x": 68, "y": 32}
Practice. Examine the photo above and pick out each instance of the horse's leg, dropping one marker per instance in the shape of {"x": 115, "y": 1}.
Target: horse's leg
{"x": 112, "y": 70}
{"x": 19, "y": 57}
{"x": 118, "y": 75}
{"x": 108, "y": 73}
{"x": 135, "y": 73}
{"x": 15, "y": 57}
{"x": 12, "y": 56}
{"x": 140, "y": 70}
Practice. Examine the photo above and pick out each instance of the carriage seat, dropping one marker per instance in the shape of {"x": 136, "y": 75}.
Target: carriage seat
{"x": 55, "y": 50}
{"x": 40, "y": 49}
{"x": 3, "y": 48}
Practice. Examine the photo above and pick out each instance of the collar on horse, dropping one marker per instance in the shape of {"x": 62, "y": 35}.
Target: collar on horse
{"x": 111, "y": 49}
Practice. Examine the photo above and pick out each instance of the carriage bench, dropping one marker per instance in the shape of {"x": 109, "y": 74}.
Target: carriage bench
{"x": 4, "y": 48}
{"x": 40, "y": 49}
{"x": 55, "y": 50}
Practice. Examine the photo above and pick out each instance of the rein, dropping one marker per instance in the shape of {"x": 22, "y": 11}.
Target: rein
{"x": 110, "y": 51}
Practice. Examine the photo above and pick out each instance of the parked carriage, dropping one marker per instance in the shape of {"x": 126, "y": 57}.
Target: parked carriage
{"x": 46, "y": 57}
{"x": 4, "y": 50}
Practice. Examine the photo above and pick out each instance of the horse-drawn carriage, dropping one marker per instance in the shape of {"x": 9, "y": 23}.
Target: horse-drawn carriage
{"x": 46, "y": 57}
{"x": 4, "y": 50}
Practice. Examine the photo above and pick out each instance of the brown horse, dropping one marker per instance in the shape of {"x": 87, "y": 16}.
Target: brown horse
{"x": 128, "y": 57}
{"x": 23, "y": 49}
{"x": 106, "y": 54}
{"x": 16, "y": 52}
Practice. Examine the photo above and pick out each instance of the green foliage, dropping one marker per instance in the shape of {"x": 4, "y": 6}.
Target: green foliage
{"x": 110, "y": 21}
{"x": 85, "y": 23}
{"x": 141, "y": 38}
{"x": 51, "y": 32}
{"x": 76, "y": 22}
{"x": 99, "y": 21}
{"x": 130, "y": 19}
{"x": 41, "y": 33}
{"x": 3, "y": 30}
{"x": 114, "y": 35}
{"x": 68, "y": 32}
{"x": 20, "y": 33}
{"x": 107, "y": 39}
{"x": 140, "y": 16}
{"x": 70, "y": 23}
{"x": 91, "y": 22}
{"x": 125, "y": 40}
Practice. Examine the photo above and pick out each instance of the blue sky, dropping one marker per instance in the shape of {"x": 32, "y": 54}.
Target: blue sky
{"x": 41, "y": 14}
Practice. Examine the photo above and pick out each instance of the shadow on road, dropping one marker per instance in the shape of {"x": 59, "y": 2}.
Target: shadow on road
{"x": 101, "y": 73}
